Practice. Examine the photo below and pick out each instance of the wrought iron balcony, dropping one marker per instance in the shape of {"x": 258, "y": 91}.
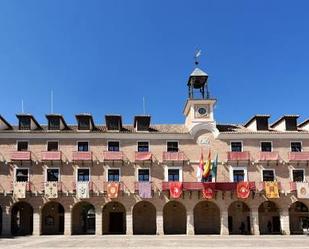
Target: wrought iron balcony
{"x": 113, "y": 155}
{"x": 174, "y": 156}
{"x": 21, "y": 156}
{"x": 143, "y": 156}
{"x": 269, "y": 156}
{"x": 51, "y": 155}
{"x": 299, "y": 156}
{"x": 238, "y": 156}
{"x": 82, "y": 156}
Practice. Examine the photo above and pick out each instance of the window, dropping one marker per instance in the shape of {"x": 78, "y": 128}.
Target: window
{"x": 22, "y": 175}
{"x": 268, "y": 175}
{"x": 22, "y": 146}
{"x": 296, "y": 146}
{"x": 266, "y": 146}
{"x": 52, "y": 146}
{"x": 24, "y": 123}
{"x": 236, "y": 146}
{"x": 54, "y": 123}
{"x": 298, "y": 175}
{"x": 84, "y": 123}
{"x": 143, "y": 175}
{"x": 172, "y": 146}
{"x": 52, "y": 175}
{"x": 113, "y": 146}
{"x": 113, "y": 175}
{"x": 173, "y": 175}
{"x": 238, "y": 175}
{"x": 82, "y": 146}
{"x": 83, "y": 175}
{"x": 142, "y": 146}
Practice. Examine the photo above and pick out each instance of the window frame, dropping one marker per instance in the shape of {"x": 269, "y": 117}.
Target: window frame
{"x": 166, "y": 168}
{"x": 301, "y": 146}
{"x": 291, "y": 174}
{"x": 237, "y": 141}
{"x": 173, "y": 141}
{"x": 16, "y": 168}
{"x": 262, "y": 170}
{"x": 271, "y": 146}
{"x": 59, "y": 175}
{"x": 54, "y": 141}
{"x": 109, "y": 168}
{"x": 137, "y": 173}
{"x": 244, "y": 168}
{"x": 78, "y": 168}
{"x": 28, "y": 146}
{"x": 143, "y": 141}
{"x": 107, "y": 146}
{"x": 82, "y": 141}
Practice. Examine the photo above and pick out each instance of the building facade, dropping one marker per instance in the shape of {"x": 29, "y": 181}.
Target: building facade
{"x": 144, "y": 178}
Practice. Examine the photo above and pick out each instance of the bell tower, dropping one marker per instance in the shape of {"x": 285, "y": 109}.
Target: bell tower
{"x": 199, "y": 106}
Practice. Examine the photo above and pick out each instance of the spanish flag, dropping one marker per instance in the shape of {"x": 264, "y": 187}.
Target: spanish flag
{"x": 207, "y": 166}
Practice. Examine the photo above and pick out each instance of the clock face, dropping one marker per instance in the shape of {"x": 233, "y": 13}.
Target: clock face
{"x": 202, "y": 111}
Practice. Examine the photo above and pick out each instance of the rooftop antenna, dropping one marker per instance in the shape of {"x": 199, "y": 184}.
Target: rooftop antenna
{"x": 22, "y": 106}
{"x": 196, "y": 56}
{"x": 144, "y": 106}
{"x": 51, "y": 101}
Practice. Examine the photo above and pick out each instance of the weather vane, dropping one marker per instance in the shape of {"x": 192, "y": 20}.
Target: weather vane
{"x": 197, "y": 55}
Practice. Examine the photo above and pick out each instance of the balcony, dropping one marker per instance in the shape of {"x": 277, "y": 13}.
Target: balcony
{"x": 299, "y": 156}
{"x": 260, "y": 186}
{"x": 91, "y": 186}
{"x": 143, "y": 156}
{"x": 113, "y": 156}
{"x": 51, "y": 155}
{"x": 269, "y": 156}
{"x": 238, "y": 156}
{"x": 82, "y": 156}
{"x": 120, "y": 189}
{"x": 136, "y": 184}
{"x": 293, "y": 186}
{"x": 21, "y": 156}
{"x": 193, "y": 185}
{"x": 174, "y": 156}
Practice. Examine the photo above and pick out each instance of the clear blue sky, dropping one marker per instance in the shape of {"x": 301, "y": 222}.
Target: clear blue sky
{"x": 104, "y": 56}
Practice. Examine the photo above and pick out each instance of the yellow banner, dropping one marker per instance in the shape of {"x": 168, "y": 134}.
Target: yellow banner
{"x": 272, "y": 190}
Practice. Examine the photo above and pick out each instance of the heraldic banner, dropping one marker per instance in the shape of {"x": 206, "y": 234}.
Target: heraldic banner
{"x": 82, "y": 190}
{"x": 175, "y": 189}
{"x": 243, "y": 190}
{"x": 144, "y": 189}
{"x": 208, "y": 190}
{"x": 112, "y": 189}
{"x": 51, "y": 190}
{"x": 272, "y": 190}
{"x": 19, "y": 190}
{"x": 302, "y": 190}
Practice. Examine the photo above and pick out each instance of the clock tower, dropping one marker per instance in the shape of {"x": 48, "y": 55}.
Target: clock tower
{"x": 199, "y": 106}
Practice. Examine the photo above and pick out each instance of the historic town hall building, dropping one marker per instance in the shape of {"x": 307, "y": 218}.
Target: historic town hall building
{"x": 145, "y": 178}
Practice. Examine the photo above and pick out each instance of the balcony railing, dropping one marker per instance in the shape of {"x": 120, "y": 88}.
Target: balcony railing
{"x": 260, "y": 186}
{"x": 82, "y": 156}
{"x": 121, "y": 186}
{"x": 299, "y": 156}
{"x": 136, "y": 184}
{"x": 51, "y": 155}
{"x": 269, "y": 156}
{"x": 113, "y": 155}
{"x": 174, "y": 156}
{"x": 238, "y": 156}
{"x": 59, "y": 186}
{"x": 90, "y": 185}
{"x": 143, "y": 156}
{"x": 21, "y": 156}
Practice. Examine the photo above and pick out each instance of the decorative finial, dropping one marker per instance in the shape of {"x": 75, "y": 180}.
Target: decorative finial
{"x": 197, "y": 55}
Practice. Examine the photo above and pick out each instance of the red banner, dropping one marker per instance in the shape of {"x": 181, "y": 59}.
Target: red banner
{"x": 208, "y": 190}
{"x": 243, "y": 190}
{"x": 175, "y": 189}
{"x": 112, "y": 190}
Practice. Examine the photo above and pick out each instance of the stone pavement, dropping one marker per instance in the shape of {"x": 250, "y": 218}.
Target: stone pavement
{"x": 156, "y": 242}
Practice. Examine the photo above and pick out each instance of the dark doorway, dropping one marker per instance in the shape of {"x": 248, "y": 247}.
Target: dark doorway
{"x": 83, "y": 218}
{"x": 144, "y": 218}
{"x": 52, "y": 219}
{"x": 116, "y": 223}
{"x": 276, "y": 224}
{"x": 0, "y": 220}
{"x": 22, "y": 219}
{"x": 174, "y": 218}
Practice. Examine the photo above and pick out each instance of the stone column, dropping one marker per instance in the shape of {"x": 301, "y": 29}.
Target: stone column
{"x": 129, "y": 219}
{"x": 67, "y": 223}
{"x": 36, "y": 222}
{"x": 6, "y": 221}
{"x": 190, "y": 223}
{"x": 254, "y": 220}
{"x": 98, "y": 221}
{"x": 160, "y": 224}
{"x": 285, "y": 221}
{"x": 224, "y": 222}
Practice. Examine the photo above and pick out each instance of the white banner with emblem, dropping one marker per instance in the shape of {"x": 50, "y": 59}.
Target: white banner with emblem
{"x": 82, "y": 190}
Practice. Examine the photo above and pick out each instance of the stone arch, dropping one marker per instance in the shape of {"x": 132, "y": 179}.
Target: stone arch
{"x": 52, "y": 218}
{"x": 114, "y": 218}
{"x": 21, "y": 219}
{"x": 269, "y": 218}
{"x": 144, "y": 218}
{"x": 206, "y": 218}
{"x": 299, "y": 217}
{"x": 239, "y": 218}
{"x": 83, "y": 218}
{"x": 174, "y": 218}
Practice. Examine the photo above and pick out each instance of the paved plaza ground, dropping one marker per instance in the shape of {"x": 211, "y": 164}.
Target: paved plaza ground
{"x": 157, "y": 242}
